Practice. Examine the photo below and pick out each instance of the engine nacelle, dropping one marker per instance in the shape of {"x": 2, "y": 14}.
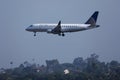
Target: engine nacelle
{"x": 49, "y": 31}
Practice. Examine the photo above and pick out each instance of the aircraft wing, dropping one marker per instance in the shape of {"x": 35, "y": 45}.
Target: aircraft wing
{"x": 57, "y": 29}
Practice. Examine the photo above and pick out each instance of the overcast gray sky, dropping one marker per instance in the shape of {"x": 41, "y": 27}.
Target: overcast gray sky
{"x": 18, "y": 45}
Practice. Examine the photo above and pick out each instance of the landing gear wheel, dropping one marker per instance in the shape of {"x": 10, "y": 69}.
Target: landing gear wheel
{"x": 34, "y": 33}
{"x": 63, "y": 34}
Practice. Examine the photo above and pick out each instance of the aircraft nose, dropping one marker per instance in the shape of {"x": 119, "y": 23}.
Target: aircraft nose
{"x": 27, "y": 29}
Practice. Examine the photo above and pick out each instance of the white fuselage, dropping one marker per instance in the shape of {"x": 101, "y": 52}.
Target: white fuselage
{"x": 64, "y": 27}
{"x": 60, "y": 29}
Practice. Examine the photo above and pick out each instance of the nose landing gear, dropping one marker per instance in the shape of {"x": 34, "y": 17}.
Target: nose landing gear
{"x": 34, "y": 33}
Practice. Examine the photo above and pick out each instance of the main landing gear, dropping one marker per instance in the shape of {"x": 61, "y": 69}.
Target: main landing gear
{"x": 61, "y": 34}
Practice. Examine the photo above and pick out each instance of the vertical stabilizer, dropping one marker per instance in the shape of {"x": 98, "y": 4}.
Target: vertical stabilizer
{"x": 93, "y": 19}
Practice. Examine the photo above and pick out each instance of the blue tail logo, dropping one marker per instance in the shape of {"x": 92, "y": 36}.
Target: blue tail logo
{"x": 93, "y": 19}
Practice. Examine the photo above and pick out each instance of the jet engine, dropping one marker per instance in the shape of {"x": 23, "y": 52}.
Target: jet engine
{"x": 49, "y": 31}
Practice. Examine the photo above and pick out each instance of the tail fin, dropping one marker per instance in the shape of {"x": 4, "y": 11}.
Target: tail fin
{"x": 93, "y": 19}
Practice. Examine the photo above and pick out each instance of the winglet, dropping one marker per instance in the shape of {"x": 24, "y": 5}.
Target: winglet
{"x": 93, "y": 19}
{"x": 59, "y": 23}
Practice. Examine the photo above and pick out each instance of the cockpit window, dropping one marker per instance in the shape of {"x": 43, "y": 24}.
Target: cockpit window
{"x": 30, "y": 26}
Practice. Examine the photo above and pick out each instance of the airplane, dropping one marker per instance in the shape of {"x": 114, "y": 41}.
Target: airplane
{"x": 60, "y": 29}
